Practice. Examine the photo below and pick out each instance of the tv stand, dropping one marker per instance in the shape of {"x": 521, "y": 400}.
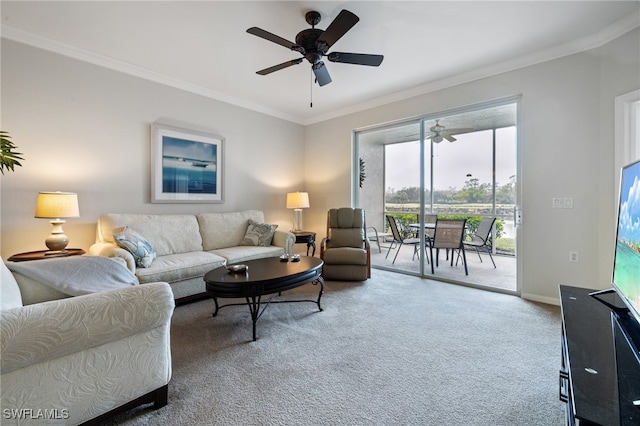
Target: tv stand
{"x": 614, "y": 303}
{"x": 600, "y": 376}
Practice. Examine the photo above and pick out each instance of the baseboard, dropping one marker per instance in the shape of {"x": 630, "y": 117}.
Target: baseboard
{"x": 541, "y": 299}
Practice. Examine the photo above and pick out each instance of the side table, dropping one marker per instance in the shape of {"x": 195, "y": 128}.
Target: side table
{"x": 308, "y": 238}
{"x": 42, "y": 254}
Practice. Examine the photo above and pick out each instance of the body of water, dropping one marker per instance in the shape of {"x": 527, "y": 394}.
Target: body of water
{"x": 188, "y": 177}
{"x": 627, "y": 273}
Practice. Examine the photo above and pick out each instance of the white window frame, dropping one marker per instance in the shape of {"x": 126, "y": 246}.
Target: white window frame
{"x": 626, "y": 129}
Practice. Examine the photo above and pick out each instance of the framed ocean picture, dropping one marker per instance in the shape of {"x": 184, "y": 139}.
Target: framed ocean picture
{"x": 186, "y": 166}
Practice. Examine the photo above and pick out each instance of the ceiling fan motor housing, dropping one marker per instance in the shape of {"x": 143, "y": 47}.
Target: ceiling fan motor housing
{"x": 307, "y": 39}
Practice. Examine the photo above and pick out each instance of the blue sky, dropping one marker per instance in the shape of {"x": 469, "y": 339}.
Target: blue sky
{"x": 174, "y": 147}
{"x": 629, "y": 223}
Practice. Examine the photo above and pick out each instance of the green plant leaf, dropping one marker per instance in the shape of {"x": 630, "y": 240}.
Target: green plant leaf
{"x": 8, "y": 157}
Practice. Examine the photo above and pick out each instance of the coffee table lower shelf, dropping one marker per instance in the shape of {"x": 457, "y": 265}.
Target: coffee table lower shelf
{"x": 264, "y": 277}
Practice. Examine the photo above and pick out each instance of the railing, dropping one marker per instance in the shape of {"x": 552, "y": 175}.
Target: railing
{"x": 408, "y": 213}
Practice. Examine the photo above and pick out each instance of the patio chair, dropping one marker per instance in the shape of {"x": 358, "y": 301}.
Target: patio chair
{"x": 430, "y": 218}
{"x": 448, "y": 235}
{"x": 400, "y": 240}
{"x": 480, "y": 240}
{"x": 374, "y": 235}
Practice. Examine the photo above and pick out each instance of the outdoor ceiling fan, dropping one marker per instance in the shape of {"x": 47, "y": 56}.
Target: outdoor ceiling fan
{"x": 313, "y": 44}
{"x": 440, "y": 132}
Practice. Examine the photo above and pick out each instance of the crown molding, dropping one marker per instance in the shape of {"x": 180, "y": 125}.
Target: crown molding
{"x": 620, "y": 27}
{"x": 11, "y": 33}
{"x": 592, "y": 41}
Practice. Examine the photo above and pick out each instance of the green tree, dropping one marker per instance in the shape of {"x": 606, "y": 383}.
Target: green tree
{"x": 506, "y": 194}
{"x": 474, "y": 192}
{"x": 446, "y": 196}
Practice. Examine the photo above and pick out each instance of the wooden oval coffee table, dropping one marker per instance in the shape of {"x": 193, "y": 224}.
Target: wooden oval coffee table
{"x": 263, "y": 277}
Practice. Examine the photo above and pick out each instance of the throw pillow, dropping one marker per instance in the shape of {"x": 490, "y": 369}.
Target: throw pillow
{"x": 258, "y": 234}
{"x": 135, "y": 244}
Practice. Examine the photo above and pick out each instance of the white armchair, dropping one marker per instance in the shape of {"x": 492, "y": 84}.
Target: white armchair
{"x": 83, "y": 358}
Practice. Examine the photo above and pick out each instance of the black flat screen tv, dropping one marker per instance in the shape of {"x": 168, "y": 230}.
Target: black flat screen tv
{"x": 626, "y": 261}
{"x": 625, "y": 281}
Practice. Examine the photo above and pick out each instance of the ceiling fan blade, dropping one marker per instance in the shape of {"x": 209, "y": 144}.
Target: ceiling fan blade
{"x": 274, "y": 38}
{"x": 356, "y": 58}
{"x": 460, "y": 130}
{"x": 279, "y": 66}
{"x": 322, "y": 74}
{"x": 339, "y": 27}
{"x": 448, "y": 137}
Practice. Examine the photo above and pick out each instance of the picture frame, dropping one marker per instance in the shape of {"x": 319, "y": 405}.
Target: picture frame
{"x": 187, "y": 166}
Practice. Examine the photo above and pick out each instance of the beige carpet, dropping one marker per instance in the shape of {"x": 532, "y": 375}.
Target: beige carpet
{"x": 396, "y": 350}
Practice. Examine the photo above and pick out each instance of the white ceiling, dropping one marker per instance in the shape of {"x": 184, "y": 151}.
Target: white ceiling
{"x": 203, "y": 46}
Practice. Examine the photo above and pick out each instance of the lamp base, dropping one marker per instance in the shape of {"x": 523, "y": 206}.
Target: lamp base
{"x": 57, "y": 241}
{"x": 297, "y": 220}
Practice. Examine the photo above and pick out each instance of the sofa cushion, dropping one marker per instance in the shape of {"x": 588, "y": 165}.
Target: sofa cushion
{"x": 178, "y": 267}
{"x": 10, "y": 296}
{"x": 135, "y": 244}
{"x": 244, "y": 253}
{"x": 222, "y": 230}
{"x": 167, "y": 234}
{"x": 258, "y": 234}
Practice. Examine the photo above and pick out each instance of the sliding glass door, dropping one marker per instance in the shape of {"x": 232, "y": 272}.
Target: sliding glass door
{"x": 459, "y": 165}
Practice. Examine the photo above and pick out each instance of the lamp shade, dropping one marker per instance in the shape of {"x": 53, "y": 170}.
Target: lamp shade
{"x": 298, "y": 200}
{"x": 54, "y": 205}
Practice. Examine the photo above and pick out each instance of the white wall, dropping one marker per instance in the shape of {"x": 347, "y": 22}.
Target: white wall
{"x": 85, "y": 129}
{"x": 565, "y": 150}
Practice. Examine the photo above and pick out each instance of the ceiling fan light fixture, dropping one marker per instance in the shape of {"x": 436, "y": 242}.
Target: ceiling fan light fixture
{"x": 437, "y": 139}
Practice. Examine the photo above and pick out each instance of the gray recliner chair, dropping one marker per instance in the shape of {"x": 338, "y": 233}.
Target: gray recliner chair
{"x": 345, "y": 250}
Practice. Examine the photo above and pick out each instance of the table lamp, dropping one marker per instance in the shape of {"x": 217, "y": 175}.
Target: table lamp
{"x": 297, "y": 201}
{"x": 57, "y": 205}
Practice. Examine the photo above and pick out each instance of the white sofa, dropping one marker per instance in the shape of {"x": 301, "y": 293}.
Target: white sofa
{"x": 187, "y": 246}
{"x": 83, "y": 358}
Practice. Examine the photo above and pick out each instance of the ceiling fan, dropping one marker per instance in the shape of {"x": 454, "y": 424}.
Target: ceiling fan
{"x": 440, "y": 132}
{"x": 314, "y": 43}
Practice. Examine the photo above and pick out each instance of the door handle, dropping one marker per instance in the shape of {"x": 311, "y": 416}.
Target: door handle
{"x": 517, "y": 216}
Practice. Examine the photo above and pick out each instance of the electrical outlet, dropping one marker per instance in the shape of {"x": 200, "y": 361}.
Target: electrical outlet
{"x": 568, "y": 203}
{"x": 574, "y": 256}
{"x": 562, "y": 203}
